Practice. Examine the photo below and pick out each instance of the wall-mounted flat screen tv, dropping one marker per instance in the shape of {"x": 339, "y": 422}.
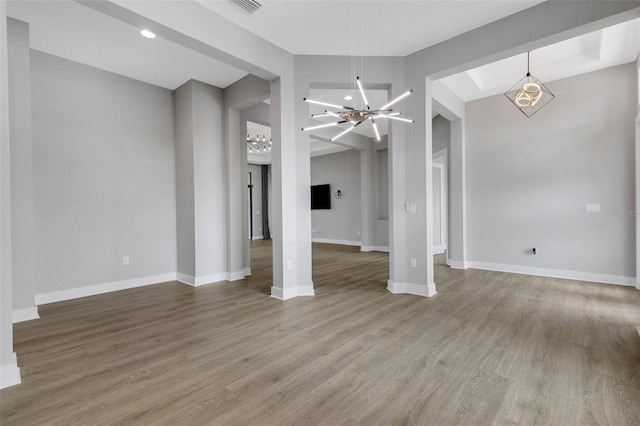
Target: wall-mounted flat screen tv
{"x": 320, "y": 197}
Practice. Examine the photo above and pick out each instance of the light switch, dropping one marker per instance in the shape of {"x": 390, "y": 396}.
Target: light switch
{"x": 592, "y": 208}
{"x": 412, "y": 208}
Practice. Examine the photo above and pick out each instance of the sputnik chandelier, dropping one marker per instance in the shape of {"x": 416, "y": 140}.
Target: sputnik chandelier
{"x": 356, "y": 116}
{"x": 258, "y": 145}
{"x": 529, "y": 95}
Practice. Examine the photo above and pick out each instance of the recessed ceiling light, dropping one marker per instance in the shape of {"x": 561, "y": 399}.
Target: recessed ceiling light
{"x": 348, "y": 98}
{"x": 148, "y": 34}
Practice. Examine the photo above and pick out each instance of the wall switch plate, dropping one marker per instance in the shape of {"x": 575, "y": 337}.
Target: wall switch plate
{"x": 414, "y": 263}
{"x": 290, "y": 265}
{"x": 412, "y": 208}
{"x": 592, "y": 208}
{"x": 125, "y": 260}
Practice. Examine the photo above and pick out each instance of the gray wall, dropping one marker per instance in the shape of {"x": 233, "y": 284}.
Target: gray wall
{"x": 22, "y": 226}
{"x": 104, "y": 176}
{"x": 342, "y": 172}
{"x": 529, "y": 179}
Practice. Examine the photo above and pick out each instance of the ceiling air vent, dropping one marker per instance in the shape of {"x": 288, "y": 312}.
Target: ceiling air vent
{"x": 248, "y": 5}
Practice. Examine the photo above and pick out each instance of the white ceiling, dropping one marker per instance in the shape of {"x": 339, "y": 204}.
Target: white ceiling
{"x": 380, "y": 27}
{"x": 601, "y": 49}
{"x": 364, "y": 27}
{"x": 72, "y": 31}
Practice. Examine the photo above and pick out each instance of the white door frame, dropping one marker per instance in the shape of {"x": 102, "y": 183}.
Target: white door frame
{"x": 442, "y": 157}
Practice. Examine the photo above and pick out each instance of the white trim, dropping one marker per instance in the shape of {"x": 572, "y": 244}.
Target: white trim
{"x": 332, "y": 241}
{"x": 258, "y": 237}
{"x": 210, "y": 279}
{"x": 185, "y": 279}
{"x": 235, "y": 276}
{"x": 410, "y": 288}
{"x": 457, "y": 264}
{"x": 76, "y": 293}
{"x": 291, "y": 292}
{"x": 25, "y": 314}
{"x": 246, "y": 272}
{"x": 556, "y": 273}
{"x": 442, "y": 153}
{"x": 374, "y": 248}
{"x": 10, "y": 373}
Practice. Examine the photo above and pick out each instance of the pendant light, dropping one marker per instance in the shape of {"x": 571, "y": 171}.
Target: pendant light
{"x": 529, "y": 94}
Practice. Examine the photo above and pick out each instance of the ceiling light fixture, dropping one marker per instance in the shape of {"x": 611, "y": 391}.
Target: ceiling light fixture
{"x": 259, "y": 144}
{"x": 529, "y": 94}
{"x": 148, "y": 34}
{"x": 356, "y": 116}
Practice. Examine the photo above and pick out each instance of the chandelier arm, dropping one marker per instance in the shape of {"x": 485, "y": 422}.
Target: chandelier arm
{"x": 311, "y": 101}
{"x": 393, "y": 117}
{"x": 346, "y": 131}
{"x": 364, "y": 97}
{"x": 404, "y": 95}
{"x": 375, "y": 129}
{"x": 321, "y": 126}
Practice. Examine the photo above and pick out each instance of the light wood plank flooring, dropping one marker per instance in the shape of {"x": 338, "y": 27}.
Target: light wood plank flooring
{"x": 489, "y": 348}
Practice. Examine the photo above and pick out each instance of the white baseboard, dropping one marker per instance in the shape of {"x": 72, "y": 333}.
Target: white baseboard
{"x": 235, "y": 276}
{"x": 204, "y": 280}
{"x": 375, "y": 248}
{"x": 556, "y": 273}
{"x": 10, "y": 373}
{"x": 291, "y": 292}
{"x": 258, "y": 237}
{"x": 185, "y": 279}
{"x": 76, "y": 293}
{"x": 332, "y": 241}
{"x": 246, "y": 272}
{"x": 409, "y": 288}
{"x": 457, "y": 264}
{"x": 26, "y": 314}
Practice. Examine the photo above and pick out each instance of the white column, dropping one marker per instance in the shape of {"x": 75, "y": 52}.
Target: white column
{"x": 21, "y": 157}
{"x": 458, "y": 243}
{"x": 411, "y": 198}
{"x": 367, "y": 186}
{"x": 291, "y": 188}
{"x": 236, "y": 170}
{"x": 9, "y": 371}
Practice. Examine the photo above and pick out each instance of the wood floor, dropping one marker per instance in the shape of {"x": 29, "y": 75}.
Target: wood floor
{"x": 489, "y": 348}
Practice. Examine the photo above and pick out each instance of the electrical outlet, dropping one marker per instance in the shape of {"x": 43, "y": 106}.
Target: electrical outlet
{"x": 125, "y": 260}
{"x": 414, "y": 262}
{"x": 290, "y": 265}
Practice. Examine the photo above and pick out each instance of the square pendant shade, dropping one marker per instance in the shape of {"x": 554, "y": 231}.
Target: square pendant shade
{"x": 529, "y": 95}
